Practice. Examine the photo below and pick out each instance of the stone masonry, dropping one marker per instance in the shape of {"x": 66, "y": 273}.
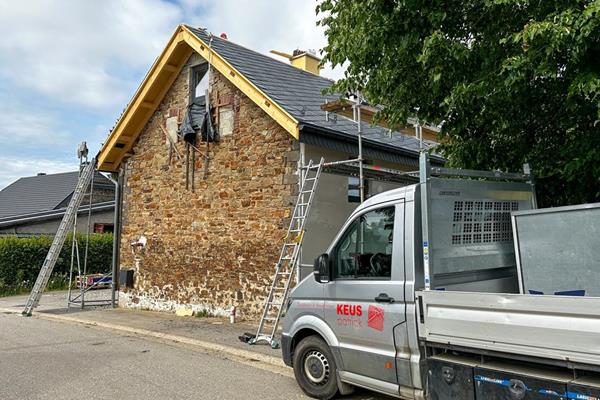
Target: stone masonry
{"x": 216, "y": 247}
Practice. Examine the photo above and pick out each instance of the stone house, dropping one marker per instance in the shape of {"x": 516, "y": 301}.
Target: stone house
{"x": 215, "y": 212}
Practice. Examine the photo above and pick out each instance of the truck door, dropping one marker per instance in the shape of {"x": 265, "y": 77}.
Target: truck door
{"x": 365, "y": 299}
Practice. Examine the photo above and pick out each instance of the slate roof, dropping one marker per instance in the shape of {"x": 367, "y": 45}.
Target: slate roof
{"x": 300, "y": 94}
{"x": 40, "y": 193}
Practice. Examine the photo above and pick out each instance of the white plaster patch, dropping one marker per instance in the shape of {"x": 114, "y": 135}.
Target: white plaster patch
{"x": 172, "y": 128}
{"x": 225, "y": 120}
{"x": 151, "y": 303}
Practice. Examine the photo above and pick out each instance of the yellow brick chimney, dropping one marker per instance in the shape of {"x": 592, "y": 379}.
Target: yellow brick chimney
{"x": 304, "y": 60}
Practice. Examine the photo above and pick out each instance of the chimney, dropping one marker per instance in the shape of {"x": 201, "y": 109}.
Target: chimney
{"x": 304, "y": 60}
{"x": 41, "y": 174}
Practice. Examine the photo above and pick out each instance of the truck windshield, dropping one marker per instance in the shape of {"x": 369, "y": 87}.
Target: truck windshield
{"x": 365, "y": 250}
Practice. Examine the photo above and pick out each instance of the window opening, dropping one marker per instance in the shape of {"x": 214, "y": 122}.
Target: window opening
{"x": 104, "y": 228}
{"x": 199, "y": 81}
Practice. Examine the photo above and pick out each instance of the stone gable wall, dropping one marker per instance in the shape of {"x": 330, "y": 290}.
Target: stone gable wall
{"x": 216, "y": 247}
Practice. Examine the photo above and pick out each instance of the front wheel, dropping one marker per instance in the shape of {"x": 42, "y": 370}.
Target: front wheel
{"x": 314, "y": 368}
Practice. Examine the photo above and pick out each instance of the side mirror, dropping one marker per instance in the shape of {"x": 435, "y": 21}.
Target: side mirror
{"x": 322, "y": 268}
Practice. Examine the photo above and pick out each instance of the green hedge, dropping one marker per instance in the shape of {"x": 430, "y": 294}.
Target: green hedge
{"x": 22, "y": 258}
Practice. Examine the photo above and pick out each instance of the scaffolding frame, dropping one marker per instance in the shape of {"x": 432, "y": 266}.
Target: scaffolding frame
{"x": 76, "y": 262}
{"x": 356, "y": 167}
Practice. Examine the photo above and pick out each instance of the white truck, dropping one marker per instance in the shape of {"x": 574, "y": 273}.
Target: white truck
{"x": 421, "y": 296}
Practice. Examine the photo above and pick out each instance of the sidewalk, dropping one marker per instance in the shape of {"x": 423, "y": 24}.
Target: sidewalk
{"x": 211, "y": 334}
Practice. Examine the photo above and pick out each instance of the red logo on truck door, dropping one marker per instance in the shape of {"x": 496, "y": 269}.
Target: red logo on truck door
{"x": 375, "y": 318}
{"x": 349, "y": 309}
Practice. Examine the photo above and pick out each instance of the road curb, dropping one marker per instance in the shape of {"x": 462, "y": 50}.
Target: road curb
{"x": 210, "y": 346}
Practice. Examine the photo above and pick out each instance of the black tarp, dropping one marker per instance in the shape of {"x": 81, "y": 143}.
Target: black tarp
{"x": 208, "y": 130}
{"x": 197, "y": 119}
{"x": 193, "y": 120}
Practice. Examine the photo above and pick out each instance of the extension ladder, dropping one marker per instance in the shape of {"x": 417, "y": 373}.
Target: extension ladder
{"x": 66, "y": 224}
{"x": 289, "y": 257}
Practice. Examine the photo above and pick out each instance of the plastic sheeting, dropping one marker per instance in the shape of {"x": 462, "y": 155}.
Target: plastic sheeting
{"x": 197, "y": 119}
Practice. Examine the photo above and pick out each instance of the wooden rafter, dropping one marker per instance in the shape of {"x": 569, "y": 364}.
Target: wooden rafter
{"x": 159, "y": 79}
{"x": 260, "y": 98}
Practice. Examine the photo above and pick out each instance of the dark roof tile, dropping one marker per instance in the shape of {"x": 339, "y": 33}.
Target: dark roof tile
{"x": 39, "y": 193}
{"x": 300, "y": 93}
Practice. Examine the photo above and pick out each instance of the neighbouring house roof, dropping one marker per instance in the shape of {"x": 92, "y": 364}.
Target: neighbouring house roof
{"x": 47, "y": 215}
{"x": 40, "y": 193}
{"x": 291, "y": 96}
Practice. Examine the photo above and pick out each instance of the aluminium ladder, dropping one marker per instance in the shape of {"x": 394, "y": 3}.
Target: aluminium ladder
{"x": 289, "y": 257}
{"x": 84, "y": 180}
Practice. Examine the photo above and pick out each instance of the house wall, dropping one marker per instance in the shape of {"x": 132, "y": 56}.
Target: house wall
{"x": 216, "y": 247}
{"x": 331, "y": 207}
{"x": 49, "y": 227}
{"x": 99, "y": 195}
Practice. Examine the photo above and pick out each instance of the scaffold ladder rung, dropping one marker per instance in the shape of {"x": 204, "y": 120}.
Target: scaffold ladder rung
{"x": 285, "y": 267}
{"x": 84, "y": 180}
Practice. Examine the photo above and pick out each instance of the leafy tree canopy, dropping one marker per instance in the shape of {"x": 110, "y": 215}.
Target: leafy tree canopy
{"x": 513, "y": 81}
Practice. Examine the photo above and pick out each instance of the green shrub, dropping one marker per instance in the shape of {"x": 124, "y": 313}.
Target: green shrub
{"x": 22, "y": 258}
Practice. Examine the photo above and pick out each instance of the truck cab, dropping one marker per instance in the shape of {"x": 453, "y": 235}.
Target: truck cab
{"x": 419, "y": 296}
{"x": 360, "y": 301}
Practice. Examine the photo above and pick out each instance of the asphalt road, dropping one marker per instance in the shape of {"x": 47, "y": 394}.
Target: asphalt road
{"x": 41, "y": 359}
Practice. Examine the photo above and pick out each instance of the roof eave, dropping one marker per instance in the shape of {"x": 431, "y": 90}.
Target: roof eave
{"x": 379, "y": 146}
{"x": 39, "y": 216}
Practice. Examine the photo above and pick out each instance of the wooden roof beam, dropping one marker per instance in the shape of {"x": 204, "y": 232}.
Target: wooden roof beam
{"x": 368, "y": 112}
{"x": 274, "y": 110}
{"x": 159, "y": 79}
{"x": 144, "y": 102}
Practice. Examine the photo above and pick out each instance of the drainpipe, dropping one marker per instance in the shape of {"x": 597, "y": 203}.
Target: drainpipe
{"x": 116, "y": 237}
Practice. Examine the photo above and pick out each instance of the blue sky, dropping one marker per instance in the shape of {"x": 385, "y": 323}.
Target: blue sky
{"x": 68, "y": 67}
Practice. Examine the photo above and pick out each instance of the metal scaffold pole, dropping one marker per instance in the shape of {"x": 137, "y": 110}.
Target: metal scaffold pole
{"x": 116, "y": 238}
{"x": 361, "y": 184}
{"x": 85, "y": 282}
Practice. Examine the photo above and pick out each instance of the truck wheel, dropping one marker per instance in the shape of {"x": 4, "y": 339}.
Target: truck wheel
{"x": 314, "y": 368}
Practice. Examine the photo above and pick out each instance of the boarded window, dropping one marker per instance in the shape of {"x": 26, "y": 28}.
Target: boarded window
{"x": 225, "y": 120}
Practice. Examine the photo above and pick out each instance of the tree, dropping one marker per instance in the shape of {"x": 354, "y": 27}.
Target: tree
{"x": 511, "y": 81}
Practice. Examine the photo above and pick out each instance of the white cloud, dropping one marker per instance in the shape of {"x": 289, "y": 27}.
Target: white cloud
{"x": 68, "y": 67}
{"x": 13, "y": 168}
{"x": 263, "y": 25}
{"x": 30, "y": 128}
{"x": 93, "y": 53}
{"x": 82, "y": 52}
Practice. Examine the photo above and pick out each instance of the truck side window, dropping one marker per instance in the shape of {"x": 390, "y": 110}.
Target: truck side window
{"x": 365, "y": 249}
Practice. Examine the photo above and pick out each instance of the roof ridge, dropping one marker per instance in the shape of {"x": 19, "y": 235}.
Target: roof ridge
{"x": 45, "y": 175}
